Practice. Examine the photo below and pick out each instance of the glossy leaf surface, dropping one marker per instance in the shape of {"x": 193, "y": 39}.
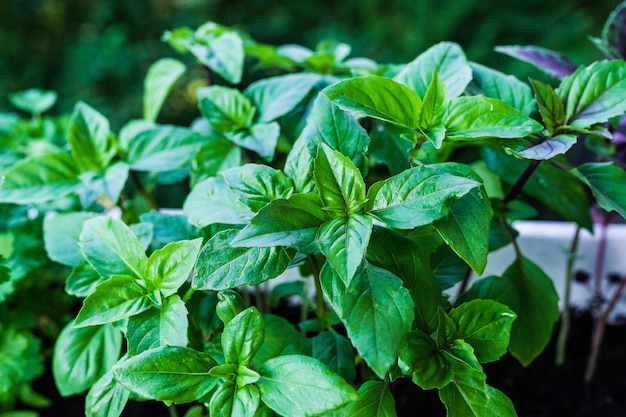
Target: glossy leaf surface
{"x": 376, "y": 310}
{"x": 168, "y": 373}
{"x": 112, "y": 248}
{"x": 159, "y": 81}
{"x": 301, "y": 386}
{"x": 379, "y": 98}
{"x": 448, "y": 59}
{"x": 222, "y": 266}
{"x": 83, "y": 355}
{"x": 530, "y": 293}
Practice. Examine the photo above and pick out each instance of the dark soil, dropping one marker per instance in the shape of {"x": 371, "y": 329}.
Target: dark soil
{"x": 540, "y": 390}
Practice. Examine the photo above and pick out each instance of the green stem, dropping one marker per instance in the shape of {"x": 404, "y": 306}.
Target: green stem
{"x": 188, "y": 294}
{"x": 173, "y": 412}
{"x": 565, "y": 318}
{"x": 321, "y": 306}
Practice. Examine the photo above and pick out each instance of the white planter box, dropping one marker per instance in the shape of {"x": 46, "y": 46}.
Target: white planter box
{"x": 547, "y": 244}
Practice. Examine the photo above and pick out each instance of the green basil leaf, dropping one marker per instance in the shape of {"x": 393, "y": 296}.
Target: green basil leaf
{"x": 221, "y": 266}
{"x": 343, "y": 242}
{"x": 168, "y": 373}
{"x": 156, "y": 327}
{"x": 498, "y": 85}
{"x": 376, "y": 310}
{"x": 466, "y": 228}
{"x": 460, "y": 355}
{"x": 243, "y": 336}
{"x": 223, "y": 52}
{"x": 90, "y": 138}
{"x": 39, "y": 179}
{"x": 106, "y": 398}
{"x": 61, "y": 233}
{"x": 83, "y": 355}
{"x": 229, "y": 400}
{"x": 420, "y": 358}
{"x": 445, "y": 333}
{"x": 551, "y": 107}
{"x": 117, "y": 298}
{"x": 375, "y": 400}
{"x": 434, "y": 111}
{"x": 144, "y": 232}
{"x": 261, "y": 138}
{"x": 33, "y": 100}
{"x": 469, "y": 396}
{"x": 300, "y": 386}
{"x": 391, "y": 145}
{"x": 336, "y": 128}
{"x": 292, "y": 222}
{"x": 212, "y": 201}
{"x": 339, "y": 182}
{"x": 486, "y": 326}
{"x": 612, "y": 44}
{"x": 300, "y": 160}
{"x": 530, "y": 293}
{"x": 595, "y": 93}
{"x": 112, "y": 248}
{"x": 226, "y": 109}
{"x": 169, "y": 267}
{"x": 606, "y": 183}
{"x": 110, "y": 184}
{"x": 478, "y": 117}
{"x": 161, "y": 77}
{"x": 279, "y": 334}
{"x": 159, "y": 148}
{"x": 276, "y": 96}
{"x": 256, "y": 185}
{"x": 336, "y": 352}
{"x": 230, "y": 304}
{"x": 246, "y": 376}
{"x": 168, "y": 227}
{"x": 418, "y": 196}
{"x": 379, "y": 98}
{"x": 82, "y": 280}
{"x": 448, "y": 60}
{"x": 215, "y": 155}
{"x": 408, "y": 260}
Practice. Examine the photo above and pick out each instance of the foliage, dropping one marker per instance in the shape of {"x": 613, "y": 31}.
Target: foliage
{"x": 385, "y": 185}
{"x": 99, "y": 51}
{"x": 558, "y": 108}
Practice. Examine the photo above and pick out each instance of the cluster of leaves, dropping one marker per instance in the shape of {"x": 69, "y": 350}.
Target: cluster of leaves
{"x": 388, "y": 184}
{"x": 28, "y": 321}
{"x": 610, "y": 148}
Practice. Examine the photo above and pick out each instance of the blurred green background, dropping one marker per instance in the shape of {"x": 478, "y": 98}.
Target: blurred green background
{"x": 99, "y": 50}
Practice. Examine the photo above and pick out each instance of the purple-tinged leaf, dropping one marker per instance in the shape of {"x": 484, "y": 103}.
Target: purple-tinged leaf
{"x": 594, "y": 94}
{"x": 614, "y": 34}
{"x": 546, "y": 149}
{"x": 554, "y": 63}
{"x": 619, "y": 134}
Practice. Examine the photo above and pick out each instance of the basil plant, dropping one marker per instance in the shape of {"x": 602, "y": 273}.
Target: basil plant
{"x": 357, "y": 195}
